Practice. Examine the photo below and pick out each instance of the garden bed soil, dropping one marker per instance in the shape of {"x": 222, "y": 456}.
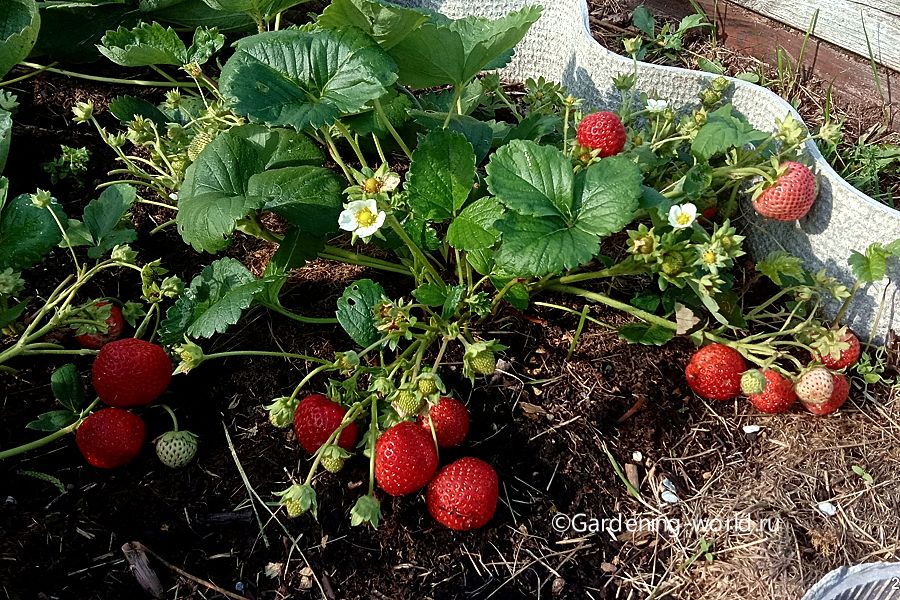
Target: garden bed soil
{"x": 556, "y": 428}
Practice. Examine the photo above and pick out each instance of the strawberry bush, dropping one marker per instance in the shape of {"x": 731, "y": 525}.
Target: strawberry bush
{"x": 382, "y": 137}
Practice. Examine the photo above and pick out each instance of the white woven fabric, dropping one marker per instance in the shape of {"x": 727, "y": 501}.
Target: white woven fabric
{"x": 560, "y": 47}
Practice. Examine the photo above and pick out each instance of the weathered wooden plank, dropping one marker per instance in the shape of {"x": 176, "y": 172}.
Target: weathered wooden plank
{"x": 749, "y": 33}
{"x": 842, "y": 22}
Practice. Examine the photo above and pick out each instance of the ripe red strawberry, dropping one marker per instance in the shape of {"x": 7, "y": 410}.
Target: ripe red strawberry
{"x": 131, "y": 372}
{"x": 463, "y": 496}
{"x": 815, "y": 386}
{"x": 768, "y": 390}
{"x": 114, "y": 326}
{"x": 714, "y": 372}
{"x": 451, "y": 422}
{"x": 405, "y": 459}
{"x": 602, "y": 131}
{"x": 110, "y": 437}
{"x": 847, "y": 357}
{"x": 790, "y": 197}
{"x": 316, "y": 418}
{"x": 840, "y": 390}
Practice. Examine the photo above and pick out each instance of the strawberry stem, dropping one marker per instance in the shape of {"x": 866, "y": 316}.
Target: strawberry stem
{"x": 59, "y": 433}
{"x": 171, "y": 414}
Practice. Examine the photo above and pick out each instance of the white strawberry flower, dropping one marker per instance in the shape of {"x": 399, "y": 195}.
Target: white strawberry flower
{"x": 656, "y": 106}
{"x": 361, "y": 217}
{"x": 682, "y": 215}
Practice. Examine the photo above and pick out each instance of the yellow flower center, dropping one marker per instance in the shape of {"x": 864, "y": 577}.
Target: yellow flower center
{"x": 366, "y": 218}
{"x": 372, "y": 185}
{"x": 709, "y": 257}
{"x": 683, "y": 218}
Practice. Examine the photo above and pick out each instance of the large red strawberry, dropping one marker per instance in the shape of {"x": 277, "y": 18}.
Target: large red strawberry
{"x": 846, "y": 357}
{"x": 131, "y": 372}
{"x": 602, "y": 131}
{"x": 316, "y": 418}
{"x": 714, "y": 372}
{"x": 451, "y": 422}
{"x": 110, "y": 437}
{"x": 405, "y": 459}
{"x": 114, "y": 326}
{"x": 790, "y": 197}
{"x": 840, "y": 390}
{"x": 463, "y": 496}
{"x": 768, "y": 390}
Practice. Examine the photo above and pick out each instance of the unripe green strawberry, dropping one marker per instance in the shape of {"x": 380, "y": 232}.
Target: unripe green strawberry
{"x": 201, "y": 140}
{"x": 176, "y": 449}
{"x": 426, "y": 386}
{"x": 484, "y": 362}
{"x": 332, "y": 464}
{"x": 293, "y": 507}
{"x": 408, "y": 402}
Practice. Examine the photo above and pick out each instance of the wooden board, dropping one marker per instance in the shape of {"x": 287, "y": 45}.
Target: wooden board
{"x": 749, "y": 33}
{"x": 844, "y": 23}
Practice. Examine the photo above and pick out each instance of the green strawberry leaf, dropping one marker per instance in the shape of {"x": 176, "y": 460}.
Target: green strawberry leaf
{"x": 309, "y": 198}
{"x": 215, "y": 300}
{"x": 68, "y": 388}
{"x": 440, "y": 175}
{"x": 28, "y": 232}
{"x": 386, "y": 23}
{"x": 395, "y": 106}
{"x": 53, "y": 420}
{"x": 152, "y": 44}
{"x": 356, "y": 311}
{"x": 12, "y": 314}
{"x": 259, "y": 9}
{"x": 430, "y": 294}
{"x": 20, "y": 22}
{"x": 555, "y": 218}
{"x": 103, "y": 217}
{"x": 295, "y": 249}
{"x": 648, "y": 335}
{"x": 473, "y": 228}
{"x": 305, "y": 79}
{"x": 451, "y": 302}
{"x": 871, "y": 266}
{"x": 126, "y": 108}
{"x": 453, "y": 52}
{"x": 479, "y": 133}
{"x": 779, "y": 265}
{"x": 517, "y": 294}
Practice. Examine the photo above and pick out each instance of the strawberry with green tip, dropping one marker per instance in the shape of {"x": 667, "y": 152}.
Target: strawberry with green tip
{"x": 450, "y": 420}
{"x": 316, "y": 418}
{"x": 840, "y": 391}
{"x": 463, "y": 496}
{"x": 405, "y": 459}
{"x": 714, "y": 372}
{"x": 790, "y": 197}
{"x": 815, "y": 386}
{"x": 110, "y": 437}
{"x": 768, "y": 390}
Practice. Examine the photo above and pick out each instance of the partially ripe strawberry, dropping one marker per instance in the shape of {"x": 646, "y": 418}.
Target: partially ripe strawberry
{"x": 602, "y": 131}
{"x": 815, "y": 386}
{"x": 451, "y": 422}
{"x": 131, "y": 372}
{"x": 463, "y": 496}
{"x": 114, "y": 326}
{"x": 110, "y": 438}
{"x": 405, "y": 459}
{"x": 768, "y": 390}
{"x": 847, "y": 356}
{"x": 840, "y": 391}
{"x": 714, "y": 372}
{"x": 316, "y": 418}
{"x": 790, "y": 197}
